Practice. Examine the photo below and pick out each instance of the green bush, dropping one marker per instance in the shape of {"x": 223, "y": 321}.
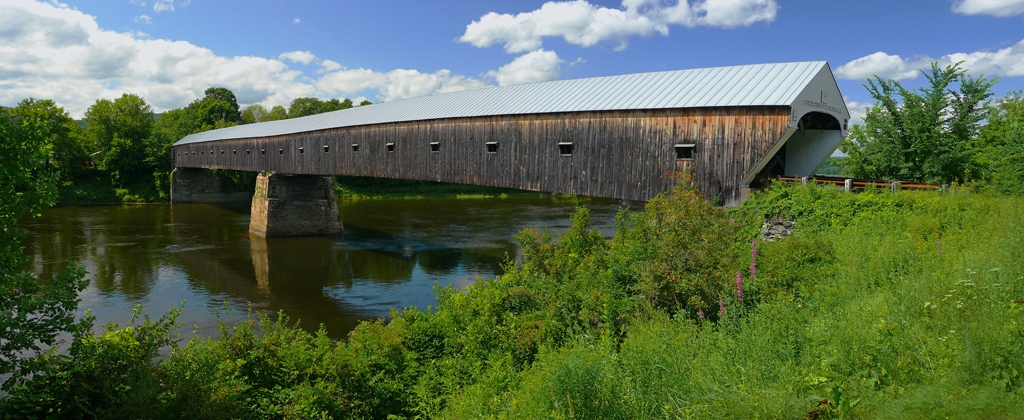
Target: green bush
{"x": 879, "y": 305}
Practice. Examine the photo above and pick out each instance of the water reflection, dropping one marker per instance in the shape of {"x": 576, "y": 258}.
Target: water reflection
{"x": 390, "y": 255}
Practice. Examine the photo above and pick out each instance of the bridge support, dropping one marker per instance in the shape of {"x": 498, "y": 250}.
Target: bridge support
{"x": 198, "y": 185}
{"x": 294, "y": 205}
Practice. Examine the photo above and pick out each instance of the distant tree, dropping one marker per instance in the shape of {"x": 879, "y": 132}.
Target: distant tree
{"x": 63, "y": 135}
{"x": 302, "y": 107}
{"x": 218, "y": 106}
{"x": 32, "y": 312}
{"x": 1001, "y": 144}
{"x": 923, "y": 134}
{"x": 278, "y": 112}
{"x": 254, "y": 113}
{"x": 365, "y": 102}
{"x": 119, "y": 130}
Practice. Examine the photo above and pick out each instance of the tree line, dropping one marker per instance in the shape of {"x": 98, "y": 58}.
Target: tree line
{"x": 948, "y": 131}
{"x": 121, "y": 149}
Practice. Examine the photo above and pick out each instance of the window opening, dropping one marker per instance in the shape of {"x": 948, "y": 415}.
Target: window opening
{"x": 565, "y": 148}
{"x": 684, "y": 151}
{"x": 435, "y": 146}
{"x": 492, "y": 147}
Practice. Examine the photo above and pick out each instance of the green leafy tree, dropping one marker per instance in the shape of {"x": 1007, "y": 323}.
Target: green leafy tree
{"x": 118, "y": 131}
{"x": 277, "y": 112}
{"x": 219, "y": 106}
{"x": 32, "y": 312}
{"x": 923, "y": 134}
{"x": 302, "y": 107}
{"x": 62, "y": 135}
{"x": 1001, "y": 144}
{"x": 254, "y": 113}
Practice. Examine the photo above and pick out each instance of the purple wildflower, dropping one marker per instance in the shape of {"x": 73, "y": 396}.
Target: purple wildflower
{"x": 739, "y": 287}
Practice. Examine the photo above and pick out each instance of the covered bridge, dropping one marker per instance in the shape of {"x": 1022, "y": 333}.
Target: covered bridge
{"x": 622, "y": 137}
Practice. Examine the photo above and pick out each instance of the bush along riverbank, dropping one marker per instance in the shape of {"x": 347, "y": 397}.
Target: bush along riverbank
{"x": 877, "y": 305}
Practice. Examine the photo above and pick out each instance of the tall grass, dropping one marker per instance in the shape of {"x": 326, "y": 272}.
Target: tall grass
{"x": 879, "y": 305}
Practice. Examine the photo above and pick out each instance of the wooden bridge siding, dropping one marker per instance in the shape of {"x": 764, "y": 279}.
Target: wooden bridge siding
{"x": 618, "y": 154}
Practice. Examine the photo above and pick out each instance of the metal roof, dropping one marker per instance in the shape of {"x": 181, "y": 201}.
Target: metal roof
{"x": 749, "y": 85}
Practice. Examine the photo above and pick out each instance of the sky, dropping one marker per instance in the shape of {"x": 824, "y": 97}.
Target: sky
{"x": 272, "y": 51}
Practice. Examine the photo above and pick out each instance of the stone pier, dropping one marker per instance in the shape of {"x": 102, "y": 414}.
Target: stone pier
{"x": 198, "y": 185}
{"x": 294, "y": 205}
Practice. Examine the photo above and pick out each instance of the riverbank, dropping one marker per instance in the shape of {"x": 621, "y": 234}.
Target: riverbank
{"x": 878, "y": 305}
{"x": 95, "y": 188}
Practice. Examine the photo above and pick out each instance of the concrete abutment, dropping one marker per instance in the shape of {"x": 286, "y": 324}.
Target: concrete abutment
{"x": 294, "y": 205}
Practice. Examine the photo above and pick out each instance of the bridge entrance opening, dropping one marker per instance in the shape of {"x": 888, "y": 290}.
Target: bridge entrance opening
{"x": 802, "y": 151}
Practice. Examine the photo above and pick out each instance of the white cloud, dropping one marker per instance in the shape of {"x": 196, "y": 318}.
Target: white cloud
{"x": 858, "y": 110}
{"x": 342, "y": 81}
{"x": 52, "y": 51}
{"x": 998, "y": 8}
{"x": 536, "y": 66}
{"x": 581, "y": 23}
{"x": 168, "y": 5}
{"x": 883, "y": 65}
{"x": 1007, "y": 62}
{"x": 143, "y": 19}
{"x": 304, "y": 57}
{"x": 329, "y": 66}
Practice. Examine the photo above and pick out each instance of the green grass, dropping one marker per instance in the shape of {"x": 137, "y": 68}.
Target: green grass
{"x": 879, "y": 305}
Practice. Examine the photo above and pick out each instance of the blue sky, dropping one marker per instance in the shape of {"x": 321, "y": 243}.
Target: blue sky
{"x": 272, "y": 51}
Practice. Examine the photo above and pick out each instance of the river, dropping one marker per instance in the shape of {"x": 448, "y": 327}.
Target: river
{"x": 391, "y": 255}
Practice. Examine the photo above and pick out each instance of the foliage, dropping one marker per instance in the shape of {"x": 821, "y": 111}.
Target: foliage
{"x": 920, "y": 135}
{"x": 32, "y": 313}
{"x": 359, "y": 188}
{"x": 879, "y": 305}
{"x": 302, "y": 107}
{"x": 63, "y": 136}
{"x": 118, "y": 131}
{"x": 1002, "y": 144}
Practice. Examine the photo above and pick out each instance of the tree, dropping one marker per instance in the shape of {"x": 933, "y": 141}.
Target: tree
{"x": 254, "y": 113}
{"x": 923, "y": 134}
{"x": 32, "y": 313}
{"x": 302, "y": 107}
{"x": 1001, "y": 144}
{"x": 218, "y": 106}
{"x": 118, "y": 131}
{"x": 62, "y": 135}
{"x": 277, "y": 113}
